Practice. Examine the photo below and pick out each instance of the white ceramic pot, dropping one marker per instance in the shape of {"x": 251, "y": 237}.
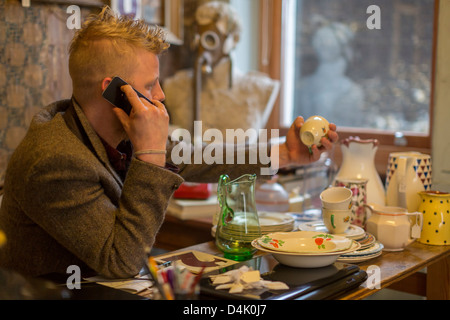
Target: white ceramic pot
{"x": 358, "y": 162}
{"x": 407, "y": 174}
{"x": 393, "y": 227}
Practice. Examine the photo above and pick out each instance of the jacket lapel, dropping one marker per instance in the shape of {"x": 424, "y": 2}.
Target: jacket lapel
{"x": 88, "y": 135}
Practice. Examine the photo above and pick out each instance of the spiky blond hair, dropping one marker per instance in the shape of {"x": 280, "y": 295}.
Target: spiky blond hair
{"x": 105, "y": 46}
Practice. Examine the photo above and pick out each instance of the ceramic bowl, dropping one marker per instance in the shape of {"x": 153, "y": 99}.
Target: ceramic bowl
{"x": 304, "y": 242}
{"x": 313, "y": 130}
{"x": 298, "y": 260}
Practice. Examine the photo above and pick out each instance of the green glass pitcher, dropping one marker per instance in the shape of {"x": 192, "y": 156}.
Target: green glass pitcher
{"x": 238, "y": 223}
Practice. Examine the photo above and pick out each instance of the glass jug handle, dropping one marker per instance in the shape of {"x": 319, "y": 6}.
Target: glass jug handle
{"x": 226, "y": 213}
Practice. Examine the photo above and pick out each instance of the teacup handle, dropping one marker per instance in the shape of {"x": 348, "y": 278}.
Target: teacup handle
{"x": 416, "y": 229}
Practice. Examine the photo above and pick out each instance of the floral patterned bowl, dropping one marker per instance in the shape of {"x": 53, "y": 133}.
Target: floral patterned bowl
{"x": 304, "y": 242}
{"x": 306, "y": 260}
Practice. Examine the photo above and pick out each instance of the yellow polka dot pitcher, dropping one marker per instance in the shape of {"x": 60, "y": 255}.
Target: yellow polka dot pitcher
{"x": 435, "y": 206}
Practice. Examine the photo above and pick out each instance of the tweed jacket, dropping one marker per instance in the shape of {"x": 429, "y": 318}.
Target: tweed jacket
{"x": 65, "y": 205}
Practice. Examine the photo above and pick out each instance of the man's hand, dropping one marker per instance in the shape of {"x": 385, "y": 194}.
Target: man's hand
{"x": 147, "y": 126}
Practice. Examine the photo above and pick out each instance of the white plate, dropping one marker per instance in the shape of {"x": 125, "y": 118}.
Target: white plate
{"x": 375, "y": 248}
{"x": 298, "y": 260}
{"x": 271, "y": 222}
{"x": 353, "y": 232}
{"x": 367, "y": 241}
{"x": 304, "y": 242}
{"x": 267, "y": 219}
{"x": 357, "y": 259}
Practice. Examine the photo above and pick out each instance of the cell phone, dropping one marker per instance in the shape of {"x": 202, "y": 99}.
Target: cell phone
{"x": 117, "y": 97}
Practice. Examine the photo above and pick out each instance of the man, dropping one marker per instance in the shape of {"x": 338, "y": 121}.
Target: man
{"x": 71, "y": 197}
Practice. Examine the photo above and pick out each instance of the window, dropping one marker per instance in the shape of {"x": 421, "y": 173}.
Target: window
{"x": 334, "y": 61}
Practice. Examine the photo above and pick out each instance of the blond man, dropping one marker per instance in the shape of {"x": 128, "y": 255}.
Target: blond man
{"x": 74, "y": 192}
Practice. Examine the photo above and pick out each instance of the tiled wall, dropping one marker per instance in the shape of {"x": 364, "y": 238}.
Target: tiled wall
{"x": 33, "y": 66}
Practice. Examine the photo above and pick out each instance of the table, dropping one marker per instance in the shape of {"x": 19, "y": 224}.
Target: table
{"x": 175, "y": 231}
{"x": 397, "y": 270}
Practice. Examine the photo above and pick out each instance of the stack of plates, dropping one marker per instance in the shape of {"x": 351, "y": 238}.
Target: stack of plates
{"x": 275, "y": 222}
{"x": 271, "y": 222}
{"x": 370, "y": 247}
{"x": 361, "y": 255}
{"x": 353, "y": 232}
{"x": 305, "y": 249}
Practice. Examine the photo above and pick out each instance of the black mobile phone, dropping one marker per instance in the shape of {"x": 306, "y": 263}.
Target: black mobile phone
{"x": 117, "y": 97}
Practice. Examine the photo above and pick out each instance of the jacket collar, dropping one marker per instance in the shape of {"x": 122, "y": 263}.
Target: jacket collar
{"x": 78, "y": 123}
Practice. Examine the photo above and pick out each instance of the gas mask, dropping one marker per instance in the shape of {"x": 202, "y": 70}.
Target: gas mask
{"x": 212, "y": 46}
{"x": 217, "y": 33}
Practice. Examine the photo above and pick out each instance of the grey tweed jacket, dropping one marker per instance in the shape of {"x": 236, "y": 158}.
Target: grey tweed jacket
{"x": 65, "y": 205}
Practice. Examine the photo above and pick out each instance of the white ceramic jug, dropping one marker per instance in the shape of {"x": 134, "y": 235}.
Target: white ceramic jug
{"x": 407, "y": 174}
{"x": 358, "y": 162}
{"x": 393, "y": 227}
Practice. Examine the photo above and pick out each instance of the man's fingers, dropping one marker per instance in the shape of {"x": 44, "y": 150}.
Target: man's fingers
{"x": 132, "y": 97}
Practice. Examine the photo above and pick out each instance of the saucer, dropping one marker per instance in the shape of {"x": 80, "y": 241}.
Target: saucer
{"x": 353, "y": 232}
{"x": 367, "y": 241}
{"x": 361, "y": 255}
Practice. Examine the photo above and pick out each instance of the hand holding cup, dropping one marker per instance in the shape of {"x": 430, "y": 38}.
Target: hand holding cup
{"x": 313, "y": 130}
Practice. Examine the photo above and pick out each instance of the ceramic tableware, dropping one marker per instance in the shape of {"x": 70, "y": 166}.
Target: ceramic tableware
{"x": 353, "y": 232}
{"x": 336, "y": 221}
{"x": 392, "y": 226}
{"x": 336, "y": 198}
{"x": 407, "y": 174}
{"x": 435, "y": 207}
{"x": 306, "y": 260}
{"x": 275, "y": 222}
{"x": 362, "y": 254}
{"x": 304, "y": 242}
{"x": 358, "y": 161}
{"x": 359, "y": 198}
{"x": 313, "y": 130}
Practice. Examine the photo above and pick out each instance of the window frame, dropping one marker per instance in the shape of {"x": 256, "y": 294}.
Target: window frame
{"x": 271, "y": 53}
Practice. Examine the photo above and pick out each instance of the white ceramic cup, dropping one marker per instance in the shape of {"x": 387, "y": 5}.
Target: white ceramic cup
{"x": 337, "y": 198}
{"x": 313, "y": 130}
{"x": 336, "y": 221}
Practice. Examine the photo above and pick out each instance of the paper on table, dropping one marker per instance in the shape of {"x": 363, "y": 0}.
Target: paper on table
{"x": 132, "y": 285}
{"x": 195, "y": 261}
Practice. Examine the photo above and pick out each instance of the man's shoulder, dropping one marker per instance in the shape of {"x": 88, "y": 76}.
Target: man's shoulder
{"x": 48, "y": 136}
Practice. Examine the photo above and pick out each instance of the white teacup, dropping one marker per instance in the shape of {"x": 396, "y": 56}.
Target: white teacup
{"x": 336, "y": 198}
{"x": 313, "y": 130}
{"x": 336, "y": 221}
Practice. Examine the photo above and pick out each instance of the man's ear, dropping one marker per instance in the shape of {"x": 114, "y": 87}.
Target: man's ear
{"x": 105, "y": 83}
